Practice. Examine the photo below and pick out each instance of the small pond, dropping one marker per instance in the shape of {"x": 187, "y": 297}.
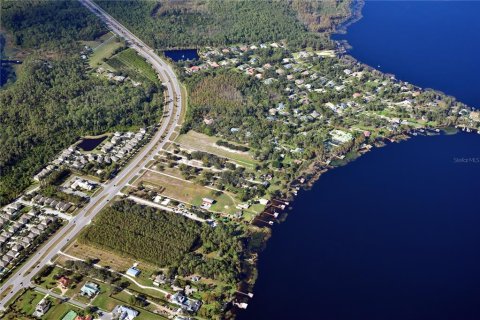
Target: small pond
{"x": 184, "y": 54}
{"x": 88, "y": 144}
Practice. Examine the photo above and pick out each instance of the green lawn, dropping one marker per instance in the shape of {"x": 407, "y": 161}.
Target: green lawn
{"x": 57, "y": 311}
{"x": 103, "y": 50}
{"x": 103, "y": 300}
{"x": 129, "y": 62}
{"x": 131, "y": 59}
{"x": 28, "y": 301}
{"x": 197, "y": 141}
{"x": 49, "y": 282}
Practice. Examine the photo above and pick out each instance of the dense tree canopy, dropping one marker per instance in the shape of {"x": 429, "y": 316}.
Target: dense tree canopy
{"x": 56, "y": 98}
{"x": 49, "y": 24}
{"x": 167, "y": 239}
{"x": 165, "y": 24}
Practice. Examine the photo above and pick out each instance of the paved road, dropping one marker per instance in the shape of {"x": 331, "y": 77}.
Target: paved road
{"x": 23, "y": 276}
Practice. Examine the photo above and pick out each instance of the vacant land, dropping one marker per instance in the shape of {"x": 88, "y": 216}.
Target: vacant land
{"x": 103, "y": 48}
{"x": 131, "y": 59}
{"x": 201, "y": 142}
{"x": 184, "y": 191}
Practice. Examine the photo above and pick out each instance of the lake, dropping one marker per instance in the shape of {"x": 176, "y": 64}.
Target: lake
{"x": 429, "y": 43}
{"x": 184, "y": 54}
{"x": 394, "y": 234}
{"x": 88, "y": 144}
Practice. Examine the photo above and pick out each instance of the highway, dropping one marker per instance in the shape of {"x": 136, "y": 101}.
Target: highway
{"x": 22, "y": 277}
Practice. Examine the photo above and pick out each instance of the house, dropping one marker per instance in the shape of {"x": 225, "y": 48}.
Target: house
{"x": 3, "y": 239}
{"x": 340, "y": 137}
{"x": 133, "y": 272}
{"x": 42, "y": 308}
{"x": 159, "y": 279}
{"x": 243, "y": 205}
{"x": 207, "y": 203}
{"x": 35, "y": 232}
{"x": 263, "y": 201}
{"x": 16, "y": 206}
{"x": 12, "y": 254}
{"x": 65, "y": 207}
{"x": 25, "y": 242}
{"x": 6, "y": 259}
{"x": 64, "y": 282}
{"x": 89, "y": 289}
{"x": 17, "y": 248}
{"x": 124, "y": 313}
{"x": 185, "y": 303}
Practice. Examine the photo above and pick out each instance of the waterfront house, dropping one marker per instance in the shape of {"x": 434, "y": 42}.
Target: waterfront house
{"x": 185, "y": 303}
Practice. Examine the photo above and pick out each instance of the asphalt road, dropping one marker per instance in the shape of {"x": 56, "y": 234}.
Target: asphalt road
{"x": 23, "y": 276}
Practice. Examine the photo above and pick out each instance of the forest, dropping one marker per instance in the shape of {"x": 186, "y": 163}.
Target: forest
{"x": 55, "y": 98}
{"x": 49, "y": 25}
{"x": 177, "y": 240}
{"x": 193, "y": 23}
{"x": 141, "y": 238}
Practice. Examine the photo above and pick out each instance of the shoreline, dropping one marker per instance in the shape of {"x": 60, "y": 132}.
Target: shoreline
{"x": 311, "y": 175}
{"x": 355, "y": 15}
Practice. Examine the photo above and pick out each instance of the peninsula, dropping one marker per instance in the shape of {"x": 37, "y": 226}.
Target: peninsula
{"x": 143, "y": 187}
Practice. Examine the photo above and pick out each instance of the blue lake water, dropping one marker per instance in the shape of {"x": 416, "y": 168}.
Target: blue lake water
{"x": 432, "y": 44}
{"x": 183, "y": 54}
{"x": 394, "y": 234}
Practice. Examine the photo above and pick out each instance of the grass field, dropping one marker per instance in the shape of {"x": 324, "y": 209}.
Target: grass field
{"x": 187, "y": 192}
{"x": 58, "y": 310}
{"x": 197, "y": 141}
{"x": 49, "y": 282}
{"x": 102, "y": 48}
{"x": 110, "y": 259}
{"x": 130, "y": 62}
{"x": 27, "y": 302}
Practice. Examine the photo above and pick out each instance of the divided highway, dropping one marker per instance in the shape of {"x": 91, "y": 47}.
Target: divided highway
{"x": 23, "y": 276}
